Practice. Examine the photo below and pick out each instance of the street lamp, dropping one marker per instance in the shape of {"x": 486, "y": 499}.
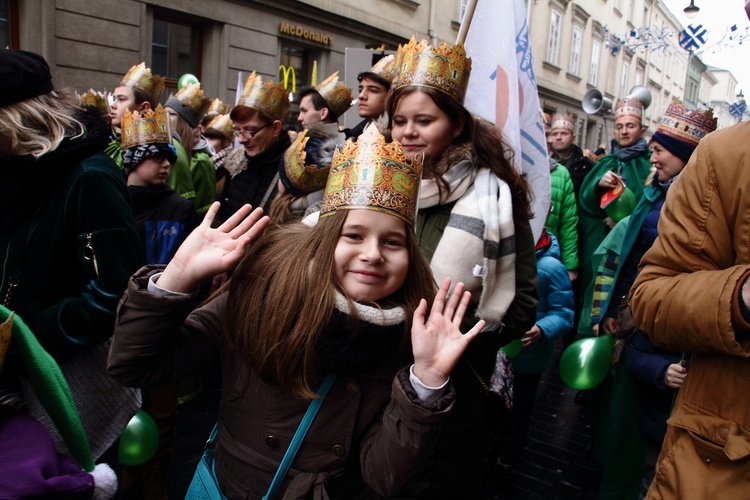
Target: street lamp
{"x": 691, "y": 10}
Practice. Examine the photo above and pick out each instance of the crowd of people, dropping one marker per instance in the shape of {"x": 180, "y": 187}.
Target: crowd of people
{"x": 145, "y": 244}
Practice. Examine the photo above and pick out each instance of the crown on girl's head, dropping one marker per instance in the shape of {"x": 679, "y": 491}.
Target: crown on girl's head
{"x": 565, "y": 121}
{"x": 218, "y": 106}
{"x": 269, "y": 98}
{"x": 224, "y": 125}
{"x": 687, "y": 126}
{"x": 97, "y": 99}
{"x": 139, "y": 77}
{"x": 149, "y": 127}
{"x": 632, "y": 107}
{"x": 375, "y": 175}
{"x": 444, "y": 68}
{"x": 190, "y": 103}
{"x": 337, "y": 95}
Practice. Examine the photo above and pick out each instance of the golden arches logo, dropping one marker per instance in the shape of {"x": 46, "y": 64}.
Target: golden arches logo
{"x": 286, "y": 71}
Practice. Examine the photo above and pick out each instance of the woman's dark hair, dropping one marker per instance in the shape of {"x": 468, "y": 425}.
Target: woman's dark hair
{"x": 487, "y": 143}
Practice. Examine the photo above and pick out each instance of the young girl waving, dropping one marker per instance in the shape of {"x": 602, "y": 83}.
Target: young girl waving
{"x": 347, "y": 296}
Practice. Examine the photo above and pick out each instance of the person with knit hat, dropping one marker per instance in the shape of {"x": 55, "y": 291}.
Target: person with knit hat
{"x": 163, "y": 220}
{"x": 185, "y": 110}
{"x": 258, "y": 126}
{"x": 645, "y": 378}
{"x": 67, "y": 238}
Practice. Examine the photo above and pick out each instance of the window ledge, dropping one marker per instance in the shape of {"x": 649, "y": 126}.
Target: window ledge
{"x": 550, "y": 66}
{"x": 411, "y": 4}
{"x": 573, "y": 77}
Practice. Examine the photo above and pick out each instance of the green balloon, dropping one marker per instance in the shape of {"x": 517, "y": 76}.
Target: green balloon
{"x": 139, "y": 440}
{"x": 512, "y": 348}
{"x": 186, "y": 79}
{"x": 585, "y": 362}
{"x": 622, "y": 206}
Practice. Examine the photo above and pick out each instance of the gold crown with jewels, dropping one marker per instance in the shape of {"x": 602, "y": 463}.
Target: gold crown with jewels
{"x": 149, "y": 127}
{"x": 445, "y": 68}
{"x": 139, "y": 77}
{"x": 385, "y": 68}
{"x": 687, "y": 126}
{"x": 190, "y": 103}
{"x": 337, "y": 95}
{"x": 224, "y": 125}
{"x": 219, "y": 106}
{"x": 96, "y": 99}
{"x": 269, "y": 98}
{"x": 375, "y": 175}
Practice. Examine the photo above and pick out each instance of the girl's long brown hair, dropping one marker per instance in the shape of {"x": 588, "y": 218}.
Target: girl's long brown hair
{"x": 281, "y": 298}
{"x": 486, "y": 141}
{"x": 185, "y": 131}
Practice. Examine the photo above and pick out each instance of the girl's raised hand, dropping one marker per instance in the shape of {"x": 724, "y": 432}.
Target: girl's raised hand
{"x": 437, "y": 341}
{"x": 209, "y": 251}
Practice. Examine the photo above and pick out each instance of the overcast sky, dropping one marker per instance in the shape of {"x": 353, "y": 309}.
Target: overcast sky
{"x": 717, "y": 16}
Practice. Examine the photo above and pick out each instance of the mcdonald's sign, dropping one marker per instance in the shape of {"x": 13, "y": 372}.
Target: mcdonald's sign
{"x": 286, "y": 72}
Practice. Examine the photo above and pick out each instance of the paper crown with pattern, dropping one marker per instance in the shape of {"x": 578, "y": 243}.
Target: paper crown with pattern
{"x": 139, "y": 77}
{"x": 375, "y": 175}
{"x": 224, "y": 125}
{"x": 96, "y": 99}
{"x": 219, "y": 106}
{"x": 301, "y": 176}
{"x": 563, "y": 120}
{"x": 632, "y": 107}
{"x": 149, "y": 127}
{"x": 445, "y": 68}
{"x": 687, "y": 126}
{"x": 190, "y": 103}
{"x": 337, "y": 95}
{"x": 385, "y": 68}
{"x": 269, "y": 98}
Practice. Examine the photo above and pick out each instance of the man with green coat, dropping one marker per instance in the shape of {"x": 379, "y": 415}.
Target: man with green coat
{"x": 629, "y": 163}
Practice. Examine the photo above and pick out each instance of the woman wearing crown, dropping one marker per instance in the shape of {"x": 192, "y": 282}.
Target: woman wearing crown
{"x": 473, "y": 222}
{"x": 646, "y": 378}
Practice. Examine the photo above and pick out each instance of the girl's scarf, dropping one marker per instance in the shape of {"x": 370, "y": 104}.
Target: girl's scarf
{"x": 478, "y": 245}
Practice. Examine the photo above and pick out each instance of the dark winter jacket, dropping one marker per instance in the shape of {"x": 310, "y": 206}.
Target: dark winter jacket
{"x": 67, "y": 237}
{"x": 163, "y": 220}
{"x": 371, "y": 431}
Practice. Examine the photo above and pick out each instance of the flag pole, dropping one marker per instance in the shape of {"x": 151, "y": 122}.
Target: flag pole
{"x": 466, "y": 21}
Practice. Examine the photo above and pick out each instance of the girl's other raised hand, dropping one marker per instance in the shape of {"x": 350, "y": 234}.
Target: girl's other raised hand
{"x": 209, "y": 251}
{"x": 437, "y": 341}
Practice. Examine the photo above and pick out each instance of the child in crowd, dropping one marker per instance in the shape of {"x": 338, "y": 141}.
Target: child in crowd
{"x": 339, "y": 297}
{"x": 163, "y": 220}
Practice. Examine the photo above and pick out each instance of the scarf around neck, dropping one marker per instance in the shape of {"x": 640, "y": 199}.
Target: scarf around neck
{"x": 478, "y": 245}
{"x": 629, "y": 152}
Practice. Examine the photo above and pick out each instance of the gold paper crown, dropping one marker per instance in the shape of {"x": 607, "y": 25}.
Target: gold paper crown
{"x": 269, "y": 98}
{"x": 687, "y": 126}
{"x": 139, "y": 77}
{"x": 631, "y": 107}
{"x": 565, "y": 121}
{"x": 149, "y": 127}
{"x": 190, "y": 103}
{"x": 224, "y": 125}
{"x": 96, "y": 99}
{"x": 386, "y": 68}
{"x": 337, "y": 95}
{"x": 305, "y": 178}
{"x": 375, "y": 175}
{"x": 219, "y": 106}
{"x": 444, "y": 68}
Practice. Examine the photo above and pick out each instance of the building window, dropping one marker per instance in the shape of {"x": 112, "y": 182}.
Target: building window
{"x": 553, "y": 45}
{"x": 596, "y": 50}
{"x": 296, "y": 70}
{"x": 624, "y": 79}
{"x": 175, "y": 49}
{"x": 575, "y": 54}
{"x": 462, "y": 9}
{"x": 8, "y": 24}
{"x": 639, "y": 76}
